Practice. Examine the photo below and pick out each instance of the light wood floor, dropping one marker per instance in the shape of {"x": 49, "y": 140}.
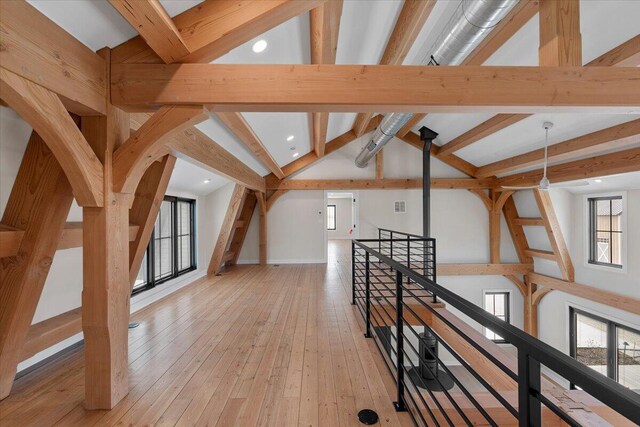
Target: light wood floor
{"x": 271, "y": 345}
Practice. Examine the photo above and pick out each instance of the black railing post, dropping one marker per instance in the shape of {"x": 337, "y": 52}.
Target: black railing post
{"x": 528, "y": 383}
{"x": 391, "y": 248}
{"x": 433, "y": 261}
{"x": 408, "y": 257}
{"x": 400, "y": 403}
{"x": 367, "y": 296}
{"x": 353, "y": 273}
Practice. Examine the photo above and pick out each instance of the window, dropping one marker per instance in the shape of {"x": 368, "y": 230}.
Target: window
{"x": 172, "y": 244}
{"x": 331, "y": 217}
{"x": 497, "y": 303}
{"x": 606, "y": 346}
{"x": 605, "y": 231}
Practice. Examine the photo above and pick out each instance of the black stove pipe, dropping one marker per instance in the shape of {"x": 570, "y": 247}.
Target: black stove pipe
{"x": 427, "y": 136}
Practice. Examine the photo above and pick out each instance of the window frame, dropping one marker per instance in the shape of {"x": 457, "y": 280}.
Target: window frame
{"x": 593, "y": 230}
{"x": 507, "y": 311}
{"x": 612, "y": 336}
{"x": 152, "y": 282}
{"x": 588, "y": 227}
{"x": 335, "y": 217}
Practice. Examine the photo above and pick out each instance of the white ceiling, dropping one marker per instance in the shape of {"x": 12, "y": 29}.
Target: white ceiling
{"x": 365, "y": 29}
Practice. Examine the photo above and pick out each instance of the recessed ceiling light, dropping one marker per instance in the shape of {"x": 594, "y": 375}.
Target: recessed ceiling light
{"x": 597, "y": 180}
{"x": 206, "y": 181}
{"x": 296, "y": 154}
{"x": 290, "y": 138}
{"x": 259, "y": 46}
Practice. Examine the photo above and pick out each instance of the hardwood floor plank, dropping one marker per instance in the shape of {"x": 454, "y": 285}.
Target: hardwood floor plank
{"x": 259, "y": 345}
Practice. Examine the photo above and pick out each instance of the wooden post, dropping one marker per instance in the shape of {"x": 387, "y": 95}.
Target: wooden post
{"x": 560, "y": 38}
{"x": 39, "y": 204}
{"x": 494, "y": 229}
{"x": 106, "y": 289}
{"x": 380, "y": 165}
{"x": 262, "y": 210}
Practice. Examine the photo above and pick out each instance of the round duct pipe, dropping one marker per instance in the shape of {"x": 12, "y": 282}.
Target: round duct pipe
{"x": 471, "y": 22}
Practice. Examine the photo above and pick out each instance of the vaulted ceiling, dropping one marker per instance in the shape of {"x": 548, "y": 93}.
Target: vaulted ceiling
{"x": 364, "y": 31}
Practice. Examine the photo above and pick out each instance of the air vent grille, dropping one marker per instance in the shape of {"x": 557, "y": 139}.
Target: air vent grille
{"x": 399, "y": 206}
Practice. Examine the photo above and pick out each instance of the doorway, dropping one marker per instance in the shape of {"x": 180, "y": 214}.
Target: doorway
{"x": 341, "y": 218}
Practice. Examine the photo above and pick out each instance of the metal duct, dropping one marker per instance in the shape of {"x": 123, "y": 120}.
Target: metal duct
{"x": 471, "y": 22}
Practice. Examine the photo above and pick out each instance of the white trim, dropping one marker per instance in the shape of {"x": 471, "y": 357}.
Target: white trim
{"x": 587, "y": 237}
{"x": 355, "y": 218}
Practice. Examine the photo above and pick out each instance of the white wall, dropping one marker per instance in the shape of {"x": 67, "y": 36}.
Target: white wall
{"x": 344, "y": 218}
{"x": 554, "y": 308}
{"x": 63, "y": 288}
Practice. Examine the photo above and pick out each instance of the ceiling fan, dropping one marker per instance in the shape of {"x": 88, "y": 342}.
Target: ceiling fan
{"x": 544, "y": 183}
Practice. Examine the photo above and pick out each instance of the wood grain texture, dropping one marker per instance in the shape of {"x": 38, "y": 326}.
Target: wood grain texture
{"x": 324, "y": 26}
{"x": 603, "y": 165}
{"x": 239, "y": 234}
{"x": 411, "y": 20}
{"x": 212, "y": 28}
{"x": 195, "y": 146}
{"x": 377, "y": 88}
{"x": 241, "y": 129}
{"x": 483, "y": 269}
{"x": 46, "y": 333}
{"x": 262, "y": 210}
{"x": 226, "y": 231}
{"x": 106, "y": 290}
{"x": 38, "y": 50}
{"x": 38, "y": 204}
{"x": 489, "y": 127}
{"x": 552, "y": 226}
{"x": 227, "y": 367}
{"x": 619, "y": 136}
{"x": 516, "y": 231}
{"x": 155, "y": 26}
{"x": 274, "y": 197}
{"x": 144, "y": 209}
{"x": 379, "y": 184}
{"x": 612, "y": 299}
{"x": 625, "y": 55}
{"x": 43, "y": 110}
{"x": 560, "y": 38}
{"x": 147, "y": 144}
{"x": 380, "y": 164}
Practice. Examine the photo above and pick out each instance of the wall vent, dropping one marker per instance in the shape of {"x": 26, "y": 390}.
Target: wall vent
{"x": 399, "y": 206}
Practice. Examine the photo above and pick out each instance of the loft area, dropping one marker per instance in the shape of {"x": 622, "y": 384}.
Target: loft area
{"x": 322, "y": 212}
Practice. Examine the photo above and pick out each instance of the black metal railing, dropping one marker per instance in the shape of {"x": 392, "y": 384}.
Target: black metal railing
{"x": 394, "y": 288}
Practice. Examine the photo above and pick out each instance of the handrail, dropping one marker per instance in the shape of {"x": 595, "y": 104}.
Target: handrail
{"x": 531, "y": 351}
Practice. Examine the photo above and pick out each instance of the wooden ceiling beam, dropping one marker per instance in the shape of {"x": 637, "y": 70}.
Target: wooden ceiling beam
{"x": 333, "y": 145}
{"x": 213, "y": 28}
{"x": 242, "y": 130}
{"x": 37, "y": 49}
{"x": 618, "y": 136}
{"x": 521, "y": 13}
{"x": 324, "y": 27}
{"x": 592, "y": 167}
{"x": 378, "y": 184}
{"x": 147, "y": 144}
{"x": 194, "y": 146}
{"x": 228, "y": 87}
{"x": 413, "y": 16}
{"x": 489, "y": 127}
{"x": 452, "y": 160}
{"x": 156, "y": 27}
{"x": 625, "y": 55}
{"x": 44, "y": 111}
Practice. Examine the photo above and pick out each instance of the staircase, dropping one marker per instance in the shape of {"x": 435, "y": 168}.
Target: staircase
{"x": 233, "y": 230}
